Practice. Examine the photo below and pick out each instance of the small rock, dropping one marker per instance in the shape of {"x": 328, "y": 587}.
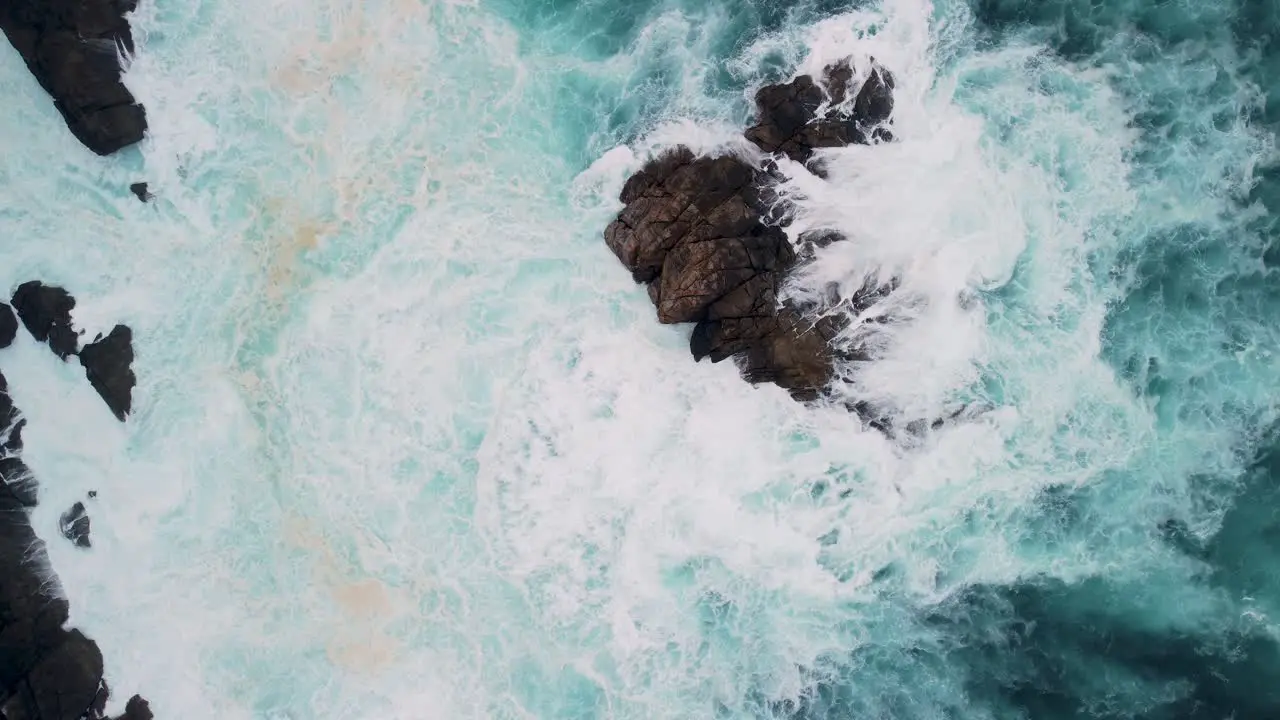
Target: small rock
{"x": 107, "y": 363}
{"x": 74, "y": 525}
{"x": 137, "y": 709}
{"x": 140, "y": 189}
{"x": 46, "y": 312}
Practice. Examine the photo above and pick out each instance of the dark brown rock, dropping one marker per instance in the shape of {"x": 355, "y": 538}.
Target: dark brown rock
{"x": 107, "y": 364}
{"x": 787, "y": 116}
{"x": 705, "y": 234}
{"x": 692, "y": 230}
{"x": 139, "y": 189}
{"x": 46, "y": 312}
{"x": 72, "y": 47}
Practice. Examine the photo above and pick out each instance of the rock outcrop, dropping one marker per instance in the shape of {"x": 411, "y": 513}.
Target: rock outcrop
{"x": 107, "y": 362}
{"x": 73, "y": 48}
{"x": 705, "y": 233}
{"x": 46, "y": 312}
{"x": 788, "y": 120}
{"x": 47, "y": 671}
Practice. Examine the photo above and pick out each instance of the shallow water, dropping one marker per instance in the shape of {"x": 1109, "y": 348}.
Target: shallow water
{"x": 408, "y": 442}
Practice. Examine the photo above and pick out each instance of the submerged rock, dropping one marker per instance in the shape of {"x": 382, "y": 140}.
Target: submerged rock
{"x": 46, "y": 312}
{"x": 107, "y": 363}
{"x": 705, "y": 233}
{"x": 74, "y": 525}
{"x": 73, "y": 49}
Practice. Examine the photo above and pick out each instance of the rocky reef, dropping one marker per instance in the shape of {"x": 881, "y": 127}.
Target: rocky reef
{"x": 47, "y": 671}
{"x": 73, "y": 48}
{"x": 705, "y": 234}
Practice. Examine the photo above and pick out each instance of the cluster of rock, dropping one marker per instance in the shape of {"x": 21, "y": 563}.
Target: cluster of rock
{"x": 73, "y": 48}
{"x": 48, "y": 672}
{"x": 705, "y": 235}
{"x": 107, "y": 361}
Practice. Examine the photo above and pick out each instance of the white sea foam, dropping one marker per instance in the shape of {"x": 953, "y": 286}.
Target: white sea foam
{"x": 409, "y": 443}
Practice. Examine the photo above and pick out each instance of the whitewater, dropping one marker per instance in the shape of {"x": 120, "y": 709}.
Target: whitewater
{"x": 408, "y": 442}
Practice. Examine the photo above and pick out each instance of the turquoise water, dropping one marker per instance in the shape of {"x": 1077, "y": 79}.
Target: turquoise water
{"x": 408, "y": 442}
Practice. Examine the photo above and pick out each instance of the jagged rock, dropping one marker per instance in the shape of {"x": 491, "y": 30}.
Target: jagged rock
{"x": 106, "y": 362}
{"x": 74, "y": 524}
{"x": 140, "y": 190}
{"x": 72, "y": 47}
{"x": 46, "y": 312}
{"x": 692, "y": 230}
{"x": 788, "y": 119}
{"x": 8, "y": 326}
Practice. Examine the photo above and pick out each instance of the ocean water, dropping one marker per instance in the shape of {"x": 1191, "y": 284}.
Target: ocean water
{"x": 409, "y": 443}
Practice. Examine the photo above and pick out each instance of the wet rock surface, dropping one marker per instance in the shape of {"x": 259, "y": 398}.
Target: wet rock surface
{"x": 74, "y": 525}
{"x": 73, "y": 49}
{"x": 805, "y": 114}
{"x": 705, "y": 233}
